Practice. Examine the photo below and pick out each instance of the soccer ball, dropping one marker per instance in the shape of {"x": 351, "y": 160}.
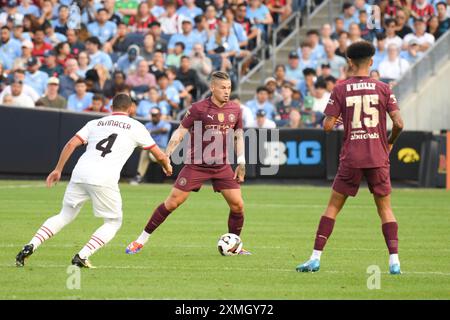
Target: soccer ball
{"x": 229, "y": 244}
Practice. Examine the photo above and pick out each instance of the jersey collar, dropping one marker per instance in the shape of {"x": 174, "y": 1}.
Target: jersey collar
{"x": 119, "y": 114}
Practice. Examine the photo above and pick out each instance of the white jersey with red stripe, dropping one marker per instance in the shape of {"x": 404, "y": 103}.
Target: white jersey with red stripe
{"x": 110, "y": 142}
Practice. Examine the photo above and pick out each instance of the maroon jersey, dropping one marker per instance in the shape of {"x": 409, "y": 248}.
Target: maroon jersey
{"x": 214, "y": 123}
{"x": 363, "y": 104}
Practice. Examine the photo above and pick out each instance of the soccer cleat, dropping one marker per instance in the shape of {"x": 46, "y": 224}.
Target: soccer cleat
{"x": 395, "y": 269}
{"x": 245, "y": 252}
{"x": 309, "y": 266}
{"x": 82, "y": 263}
{"x": 23, "y": 254}
{"x": 133, "y": 248}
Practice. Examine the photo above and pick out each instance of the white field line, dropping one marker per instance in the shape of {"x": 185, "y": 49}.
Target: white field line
{"x": 323, "y": 206}
{"x": 128, "y": 267}
{"x": 23, "y": 186}
{"x": 75, "y": 246}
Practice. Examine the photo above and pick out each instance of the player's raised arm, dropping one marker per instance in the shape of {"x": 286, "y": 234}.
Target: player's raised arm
{"x": 239, "y": 145}
{"x": 397, "y": 127}
{"x": 176, "y": 139}
{"x": 66, "y": 152}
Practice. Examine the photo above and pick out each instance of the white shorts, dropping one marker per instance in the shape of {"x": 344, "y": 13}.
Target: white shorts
{"x": 106, "y": 202}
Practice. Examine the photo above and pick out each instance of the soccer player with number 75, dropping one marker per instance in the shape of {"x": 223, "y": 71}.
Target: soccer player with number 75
{"x": 110, "y": 142}
{"x": 362, "y": 105}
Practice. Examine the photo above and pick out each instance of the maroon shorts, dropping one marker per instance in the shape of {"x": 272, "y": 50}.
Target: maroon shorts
{"x": 348, "y": 179}
{"x": 192, "y": 178}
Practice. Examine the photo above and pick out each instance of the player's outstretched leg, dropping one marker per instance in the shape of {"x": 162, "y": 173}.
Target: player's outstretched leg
{"x": 101, "y": 237}
{"x": 324, "y": 231}
{"x": 390, "y": 231}
{"x": 50, "y": 227}
{"x": 175, "y": 199}
{"x": 236, "y": 215}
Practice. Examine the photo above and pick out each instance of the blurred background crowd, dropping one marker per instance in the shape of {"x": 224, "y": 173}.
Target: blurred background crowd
{"x": 77, "y": 55}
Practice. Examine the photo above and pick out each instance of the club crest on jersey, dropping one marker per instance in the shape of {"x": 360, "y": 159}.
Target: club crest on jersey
{"x": 221, "y": 117}
{"x": 231, "y": 117}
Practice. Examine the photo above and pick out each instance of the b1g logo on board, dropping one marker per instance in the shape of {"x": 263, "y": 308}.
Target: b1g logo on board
{"x": 308, "y": 152}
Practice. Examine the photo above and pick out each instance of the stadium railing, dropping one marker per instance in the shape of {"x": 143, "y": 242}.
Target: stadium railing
{"x": 293, "y": 24}
{"x": 423, "y": 68}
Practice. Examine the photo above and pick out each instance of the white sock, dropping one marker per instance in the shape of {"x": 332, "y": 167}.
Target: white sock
{"x": 316, "y": 255}
{"x": 53, "y": 225}
{"x": 393, "y": 259}
{"x": 41, "y": 235}
{"x": 101, "y": 236}
{"x": 143, "y": 238}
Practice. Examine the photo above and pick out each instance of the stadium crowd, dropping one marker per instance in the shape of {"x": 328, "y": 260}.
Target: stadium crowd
{"x": 77, "y": 55}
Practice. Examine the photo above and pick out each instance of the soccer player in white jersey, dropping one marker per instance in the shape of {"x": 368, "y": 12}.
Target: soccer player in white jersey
{"x": 110, "y": 142}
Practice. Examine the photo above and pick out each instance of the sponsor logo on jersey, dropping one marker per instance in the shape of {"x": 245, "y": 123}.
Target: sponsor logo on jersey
{"x": 363, "y": 135}
{"x": 408, "y": 155}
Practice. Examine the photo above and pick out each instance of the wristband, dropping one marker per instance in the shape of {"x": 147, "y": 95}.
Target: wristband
{"x": 241, "y": 159}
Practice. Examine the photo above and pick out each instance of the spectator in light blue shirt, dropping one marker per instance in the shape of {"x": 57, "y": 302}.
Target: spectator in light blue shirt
{"x": 380, "y": 52}
{"x": 349, "y": 15}
{"x": 294, "y": 72}
{"x": 6, "y": 61}
{"x": 34, "y": 77}
{"x": 189, "y": 10}
{"x": 188, "y": 37}
{"x": 11, "y": 48}
{"x": 145, "y": 105}
{"x": 222, "y": 46}
{"x": 201, "y": 29}
{"x": 259, "y": 14}
{"x": 413, "y": 53}
{"x": 261, "y": 102}
{"x": 81, "y": 99}
{"x": 102, "y": 28}
{"x": 169, "y": 97}
{"x": 318, "y": 51}
{"x": 27, "y": 8}
{"x": 160, "y": 131}
{"x": 95, "y": 55}
{"x": 129, "y": 61}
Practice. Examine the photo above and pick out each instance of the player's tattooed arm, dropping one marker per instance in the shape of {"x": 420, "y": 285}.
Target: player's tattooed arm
{"x": 239, "y": 144}
{"x": 397, "y": 127}
{"x": 67, "y": 151}
{"x": 329, "y": 122}
{"x": 176, "y": 139}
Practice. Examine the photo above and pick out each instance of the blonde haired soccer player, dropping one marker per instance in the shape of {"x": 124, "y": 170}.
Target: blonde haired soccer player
{"x": 216, "y": 115}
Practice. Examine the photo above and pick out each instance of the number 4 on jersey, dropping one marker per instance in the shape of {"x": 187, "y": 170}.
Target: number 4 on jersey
{"x": 109, "y": 143}
{"x": 364, "y": 102}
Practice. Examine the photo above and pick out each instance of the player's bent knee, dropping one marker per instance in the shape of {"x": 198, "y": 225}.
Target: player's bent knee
{"x": 114, "y": 223}
{"x": 237, "y": 207}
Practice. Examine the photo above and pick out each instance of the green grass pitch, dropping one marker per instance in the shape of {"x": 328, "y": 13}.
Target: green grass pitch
{"x": 181, "y": 260}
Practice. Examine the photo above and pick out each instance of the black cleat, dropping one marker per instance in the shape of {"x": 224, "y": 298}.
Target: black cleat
{"x": 81, "y": 263}
{"x": 23, "y": 254}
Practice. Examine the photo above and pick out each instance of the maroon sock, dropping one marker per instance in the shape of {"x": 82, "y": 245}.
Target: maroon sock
{"x": 159, "y": 215}
{"x": 235, "y": 222}
{"x": 390, "y": 231}
{"x": 323, "y": 232}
